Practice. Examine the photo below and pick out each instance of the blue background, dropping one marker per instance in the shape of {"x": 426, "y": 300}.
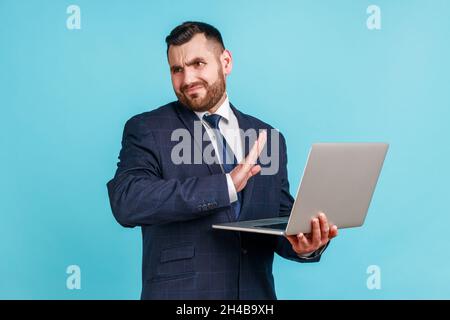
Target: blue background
{"x": 310, "y": 68}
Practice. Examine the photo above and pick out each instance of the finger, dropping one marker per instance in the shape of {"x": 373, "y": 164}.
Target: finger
{"x": 259, "y": 145}
{"x": 324, "y": 227}
{"x": 255, "y": 170}
{"x": 251, "y": 158}
{"x": 316, "y": 234}
{"x": 308, "y": 235}
{"x": 333, "y": 232}
{"x": 256, "y": 150}
{"x": 292, "y": 239}
{"x": 242, "y": 175}
{"x": 303, "y": 241}
{"x": 262, "y": 139}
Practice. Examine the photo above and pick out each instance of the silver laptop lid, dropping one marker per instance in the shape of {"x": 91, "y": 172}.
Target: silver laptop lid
{"x": 339, "y": 180}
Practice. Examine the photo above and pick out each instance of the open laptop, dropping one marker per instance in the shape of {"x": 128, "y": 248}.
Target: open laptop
{"x": 339, "y": 180}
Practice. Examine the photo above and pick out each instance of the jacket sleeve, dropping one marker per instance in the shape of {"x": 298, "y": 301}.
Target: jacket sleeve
{"x": 139, "y": 196}
{"x": 284, "y": 247}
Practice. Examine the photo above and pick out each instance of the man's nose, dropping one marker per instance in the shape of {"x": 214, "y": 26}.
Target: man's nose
{"x": 189, "y": 77}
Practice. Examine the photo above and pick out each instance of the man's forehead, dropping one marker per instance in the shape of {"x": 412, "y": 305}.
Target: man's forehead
{"x": 197, "y": 47}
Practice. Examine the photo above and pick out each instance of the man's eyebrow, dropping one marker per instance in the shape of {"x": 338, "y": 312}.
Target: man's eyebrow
{"x": 189, "y": 63}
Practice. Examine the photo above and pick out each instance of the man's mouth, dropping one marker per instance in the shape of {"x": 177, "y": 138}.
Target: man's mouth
{"x": 193, "y": 89}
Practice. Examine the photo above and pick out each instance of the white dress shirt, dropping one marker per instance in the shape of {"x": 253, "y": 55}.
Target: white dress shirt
{"x": 229, "y": 127}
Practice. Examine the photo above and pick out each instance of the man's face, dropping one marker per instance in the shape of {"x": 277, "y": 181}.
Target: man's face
{"x": 198, "y": 71}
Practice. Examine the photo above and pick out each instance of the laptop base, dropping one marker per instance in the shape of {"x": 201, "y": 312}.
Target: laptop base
{"x": 274, "y": 226}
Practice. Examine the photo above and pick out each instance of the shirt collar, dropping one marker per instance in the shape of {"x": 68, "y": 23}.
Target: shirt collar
{"x": 224, "y": 110}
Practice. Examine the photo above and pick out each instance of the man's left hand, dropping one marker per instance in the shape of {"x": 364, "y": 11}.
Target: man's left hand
{"x": 321, "y": 233}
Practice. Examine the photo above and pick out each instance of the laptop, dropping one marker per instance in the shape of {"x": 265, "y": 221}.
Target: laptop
{"x": 339, "y": 180}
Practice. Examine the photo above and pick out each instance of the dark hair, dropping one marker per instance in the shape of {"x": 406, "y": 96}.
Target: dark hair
{"x": 185, "y": 31}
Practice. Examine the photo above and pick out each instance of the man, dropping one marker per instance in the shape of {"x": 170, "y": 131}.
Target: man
{"x": 175, "y": 203}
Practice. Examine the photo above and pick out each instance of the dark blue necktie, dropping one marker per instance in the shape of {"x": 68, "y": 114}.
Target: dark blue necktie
{"x": 227, "y": 157}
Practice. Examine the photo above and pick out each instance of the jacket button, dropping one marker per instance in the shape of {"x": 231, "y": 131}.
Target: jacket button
{"x": 244, "y": 251}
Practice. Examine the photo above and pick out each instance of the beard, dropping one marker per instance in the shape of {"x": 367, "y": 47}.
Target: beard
{"x": 214, "y": 93}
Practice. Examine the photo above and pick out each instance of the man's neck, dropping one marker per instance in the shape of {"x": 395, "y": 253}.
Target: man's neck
{"x": 218, "y": 104}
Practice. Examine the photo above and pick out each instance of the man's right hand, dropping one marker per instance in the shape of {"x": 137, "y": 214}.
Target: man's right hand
{"x": 248, "y": 168}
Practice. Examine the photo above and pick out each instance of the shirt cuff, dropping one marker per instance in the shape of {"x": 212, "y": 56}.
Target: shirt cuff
{"x": 231, "y": 189}
{"x": 314, "y": 253}
{"x": 306, "y": 255}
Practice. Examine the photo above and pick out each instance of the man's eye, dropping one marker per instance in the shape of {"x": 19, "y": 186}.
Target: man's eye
{"x": 176, "y": 70}
{"x": 200, "y": 63}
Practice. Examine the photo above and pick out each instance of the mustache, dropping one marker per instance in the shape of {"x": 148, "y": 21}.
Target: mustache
{"x": 195, "y": 84}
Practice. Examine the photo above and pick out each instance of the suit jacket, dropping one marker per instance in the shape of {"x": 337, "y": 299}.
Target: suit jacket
{"x": 176, "y": 204}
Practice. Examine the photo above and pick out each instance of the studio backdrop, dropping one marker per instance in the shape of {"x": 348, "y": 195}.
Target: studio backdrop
{"x": 73, "y": 72}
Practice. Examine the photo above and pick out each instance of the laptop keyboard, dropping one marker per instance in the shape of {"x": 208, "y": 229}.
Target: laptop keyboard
{"x": 278, "y": 226}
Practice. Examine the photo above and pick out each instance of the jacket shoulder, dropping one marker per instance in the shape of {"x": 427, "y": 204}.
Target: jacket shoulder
{"x": 260, "y": 124}
{"x": 153, "y": 119}
{"x": 257, "y": 123}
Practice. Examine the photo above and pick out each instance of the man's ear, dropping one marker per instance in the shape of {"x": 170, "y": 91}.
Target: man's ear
{"x": 227, "y": 61}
